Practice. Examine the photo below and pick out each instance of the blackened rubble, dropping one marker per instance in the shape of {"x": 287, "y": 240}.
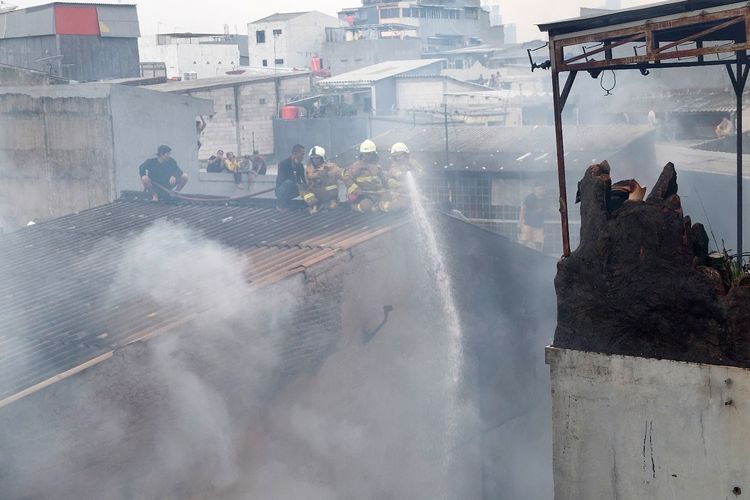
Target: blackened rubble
{"x": 639, "y": 283}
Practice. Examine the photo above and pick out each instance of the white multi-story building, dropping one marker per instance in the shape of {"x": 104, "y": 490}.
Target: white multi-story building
{"x": 290, "y": 39}
{"x": 189, "y": 56}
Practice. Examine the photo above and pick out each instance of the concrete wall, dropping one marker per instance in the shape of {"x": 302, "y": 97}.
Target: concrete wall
{"x": 636, "y": 428}
{"x": 342, "y": 57}
{"x": 144, "y": 119}
{"x": 56, "y": 155}
{"x": 68, "y": 148}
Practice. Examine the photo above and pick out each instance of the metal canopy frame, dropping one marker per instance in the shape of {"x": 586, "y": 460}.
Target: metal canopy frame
{"x": 652, "y": 37}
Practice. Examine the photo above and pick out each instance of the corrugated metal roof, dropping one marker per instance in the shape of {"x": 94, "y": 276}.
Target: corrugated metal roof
{"x": 376, "y": 72}
{"x": 223, "y": 81}
{"x": 521, "y": 140}
{"x": 692, "y": 101}
{"x": 56, "y": 294}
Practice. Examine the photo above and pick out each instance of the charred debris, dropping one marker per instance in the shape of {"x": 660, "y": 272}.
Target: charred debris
{"x": 643, "y": 283}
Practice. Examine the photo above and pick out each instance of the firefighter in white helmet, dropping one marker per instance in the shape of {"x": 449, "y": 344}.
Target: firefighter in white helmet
{"x": 398, "y": 190}
{"x": 322, "y": 187}
{"x": 364, "y": 179}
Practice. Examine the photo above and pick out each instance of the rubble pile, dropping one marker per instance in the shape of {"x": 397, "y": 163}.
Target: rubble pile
{"x": 642, "y": 283}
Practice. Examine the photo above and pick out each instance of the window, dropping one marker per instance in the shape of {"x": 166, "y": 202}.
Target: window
{"x": 389, "y": 13}
{"x": 228, "y": 107}
{"x": 260, "y": 36}
{"x": 472, "y": 13}
{"x": 276, "y": 32}
{"x": 262, "y": 100}
{"x": 265, "y": 62}
{"x": 278, "y": 62}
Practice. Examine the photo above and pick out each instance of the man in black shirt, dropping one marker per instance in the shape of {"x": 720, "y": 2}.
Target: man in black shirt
{"x": 289, "y": 175}
{"x": 161, "y": 174}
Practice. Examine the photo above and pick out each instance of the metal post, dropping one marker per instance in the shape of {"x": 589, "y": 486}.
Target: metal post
{"x": 738, "y": 92}
{"x": 445, "y": 120}
{"x": 739, "y": 79}
{"x": 557, "y": 109}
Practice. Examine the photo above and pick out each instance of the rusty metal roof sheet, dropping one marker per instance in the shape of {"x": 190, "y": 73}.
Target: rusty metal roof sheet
{"x": 634, "y": 14}
{"x": 56, "y": 277}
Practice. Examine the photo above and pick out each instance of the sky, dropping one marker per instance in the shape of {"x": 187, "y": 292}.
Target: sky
{"x": 211, "y": 15}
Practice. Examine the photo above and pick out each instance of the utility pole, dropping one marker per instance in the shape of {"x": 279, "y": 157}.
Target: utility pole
{"x": 445, "y": 120}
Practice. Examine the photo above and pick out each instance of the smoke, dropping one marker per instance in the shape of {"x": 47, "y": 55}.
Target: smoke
{"x": 166, "y": 417}
{"x": 206, "y": 410}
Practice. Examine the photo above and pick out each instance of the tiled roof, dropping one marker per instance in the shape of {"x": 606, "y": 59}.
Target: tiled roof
{"x": 56, "y": 277}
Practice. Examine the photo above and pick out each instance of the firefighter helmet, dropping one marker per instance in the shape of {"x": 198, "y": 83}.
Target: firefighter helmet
{"x": 368, "y": 147}
{"x": 399, "y": 148}
{"x": 318, "y": 151}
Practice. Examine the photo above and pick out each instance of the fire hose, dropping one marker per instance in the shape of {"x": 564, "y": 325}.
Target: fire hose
{"x": 175, "y": 194}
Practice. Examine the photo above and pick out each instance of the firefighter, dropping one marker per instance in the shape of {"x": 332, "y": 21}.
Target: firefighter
{"x": 398, "y": 190}
{"x": 364, "y": 180}
{"x": 322, "y": 187}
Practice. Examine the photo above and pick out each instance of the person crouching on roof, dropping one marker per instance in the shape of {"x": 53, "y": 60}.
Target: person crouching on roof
{"x": 290, "y": 176}
{"x": 161, "y": 174}
{"x": 396, "y": 182}
{"x": 322, "y": 186}
{"x": 364, "y": 180}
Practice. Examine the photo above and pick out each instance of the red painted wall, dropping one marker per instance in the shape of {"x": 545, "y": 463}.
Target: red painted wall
{"x": 76, "y": 20}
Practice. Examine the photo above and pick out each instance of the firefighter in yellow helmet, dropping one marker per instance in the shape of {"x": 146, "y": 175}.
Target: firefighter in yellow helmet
{"x": 401, "y": 163}
{"x": 322, "y": 188}
{"x": 364, "y": 179}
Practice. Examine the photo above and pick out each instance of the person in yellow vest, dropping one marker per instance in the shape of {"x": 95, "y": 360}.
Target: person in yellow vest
{"x": 232, "y": 165}
{"x": 364, "y": 180}
{"x": 322, "y": 187}
{"x": 396, "y": 182}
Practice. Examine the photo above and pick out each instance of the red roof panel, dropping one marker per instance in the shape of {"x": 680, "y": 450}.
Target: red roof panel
{"x": 78, "y": 20}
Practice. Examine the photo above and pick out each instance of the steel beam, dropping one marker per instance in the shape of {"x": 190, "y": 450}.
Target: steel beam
{"x": 557, "y": 105}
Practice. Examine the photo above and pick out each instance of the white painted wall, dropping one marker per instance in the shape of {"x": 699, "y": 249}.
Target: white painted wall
{"x": 301, "y": 38}
{"x": 207, "y": 60}
{"x": 632, "y": 428}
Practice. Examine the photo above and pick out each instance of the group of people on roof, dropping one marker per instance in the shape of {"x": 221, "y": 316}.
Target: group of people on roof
{"x": 253, "y": 164}
{"x": 370, "y": 187}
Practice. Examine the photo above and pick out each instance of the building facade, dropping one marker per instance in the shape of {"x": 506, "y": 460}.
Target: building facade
{"x": 189, "y": 56}
{"x": 288, "y": 40}
{"x": 82, "y": 42}
{"x": 432, "y": 19}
